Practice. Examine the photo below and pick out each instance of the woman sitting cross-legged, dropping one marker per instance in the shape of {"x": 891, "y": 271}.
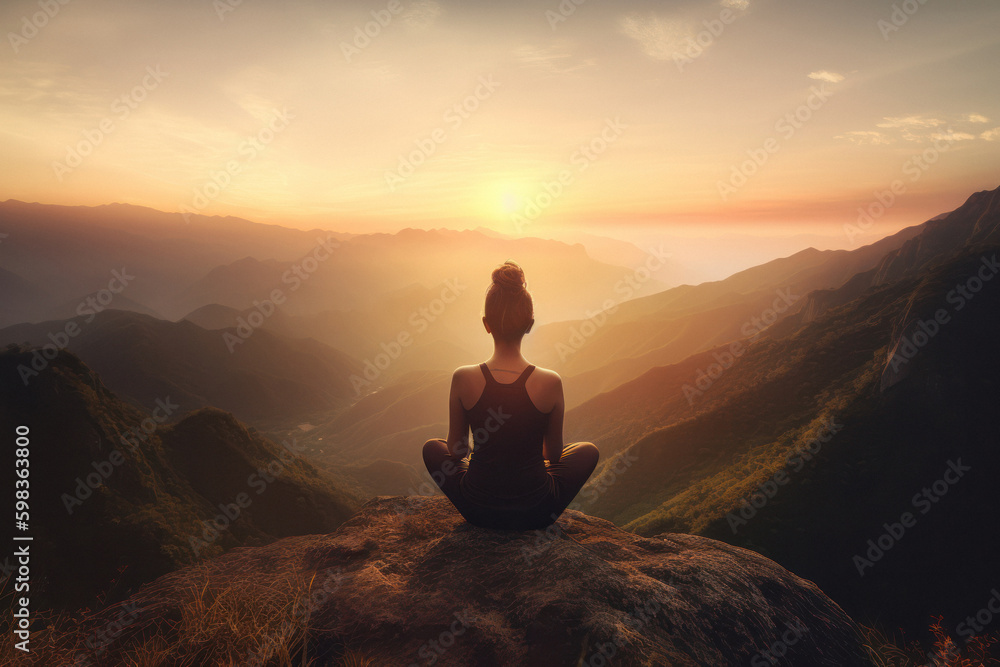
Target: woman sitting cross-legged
{"x": 518, "y": 476}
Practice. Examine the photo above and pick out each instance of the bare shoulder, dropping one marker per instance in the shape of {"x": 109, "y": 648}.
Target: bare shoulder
{"x": 464, "y": 374}
{"x": 546, "y": 379}
{"x": 547, "y": 374}
{"x": 467, "y": 384}
{"x": 545, "y": 389}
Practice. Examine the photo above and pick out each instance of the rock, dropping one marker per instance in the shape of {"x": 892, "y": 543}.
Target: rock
{"x": 407, "y": 582}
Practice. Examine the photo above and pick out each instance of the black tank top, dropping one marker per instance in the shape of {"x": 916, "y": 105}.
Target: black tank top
{"x": 507, "y": 469}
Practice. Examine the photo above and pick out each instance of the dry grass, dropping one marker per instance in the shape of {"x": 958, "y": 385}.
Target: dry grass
{"x": 887, "y": 650}
{"x": 255, "y": 626}
{"x": 268, "y": 627}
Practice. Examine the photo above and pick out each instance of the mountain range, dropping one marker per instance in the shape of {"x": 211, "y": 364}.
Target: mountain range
{"x": 800, "y": 408}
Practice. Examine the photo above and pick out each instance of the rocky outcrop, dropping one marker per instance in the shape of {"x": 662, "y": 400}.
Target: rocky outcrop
{"x": 407, "y": 582}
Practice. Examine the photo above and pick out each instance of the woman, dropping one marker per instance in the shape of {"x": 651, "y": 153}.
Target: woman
{"x": 519, "y": 475}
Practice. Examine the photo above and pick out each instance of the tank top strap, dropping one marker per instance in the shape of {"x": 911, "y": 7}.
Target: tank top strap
{"x": 486, "y": 374}
{"x": 523, "y": 377}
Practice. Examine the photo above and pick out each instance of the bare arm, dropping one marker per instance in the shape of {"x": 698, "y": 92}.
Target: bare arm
{"x": 458, "y": 425}
{"x": 552, "y": 446}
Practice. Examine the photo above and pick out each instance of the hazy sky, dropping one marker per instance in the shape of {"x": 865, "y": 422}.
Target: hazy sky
{"x": 300, "y": 117}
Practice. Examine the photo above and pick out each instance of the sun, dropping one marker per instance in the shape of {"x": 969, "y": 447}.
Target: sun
{"x": 501, "y": 201}
{"x": 511, "y": 202}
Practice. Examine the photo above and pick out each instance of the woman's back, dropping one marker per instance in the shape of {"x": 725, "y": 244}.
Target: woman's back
{"x": 506, "y": 467}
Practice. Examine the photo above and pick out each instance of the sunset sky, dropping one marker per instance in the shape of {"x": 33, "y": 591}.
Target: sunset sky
{"x": 302, "y": 119}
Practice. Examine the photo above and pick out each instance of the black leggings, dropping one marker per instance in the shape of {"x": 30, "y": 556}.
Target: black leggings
{"x": 577, "y": 462}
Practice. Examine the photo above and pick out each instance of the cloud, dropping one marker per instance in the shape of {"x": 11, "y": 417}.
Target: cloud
{"x": 257, "y": 90}
{"x": 824, "y": 75}
{"x": 910, "y": 122}
{"x": 663, "y": 39}
{"x": 866, "y": 138}
{"x": 918, "y": 128}
{"x": 556, "y": 59}
{"x": 951, "y": 135}
{"x": 658, "y": 38}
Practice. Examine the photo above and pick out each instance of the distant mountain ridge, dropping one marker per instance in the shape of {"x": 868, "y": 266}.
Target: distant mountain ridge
{"x": 345, "y": 290}
{"x": 670, "y": 326}
{"x": 264, "y": 377}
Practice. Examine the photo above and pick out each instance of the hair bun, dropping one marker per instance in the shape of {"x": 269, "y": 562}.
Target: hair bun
{"x": 509, "y": 277}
